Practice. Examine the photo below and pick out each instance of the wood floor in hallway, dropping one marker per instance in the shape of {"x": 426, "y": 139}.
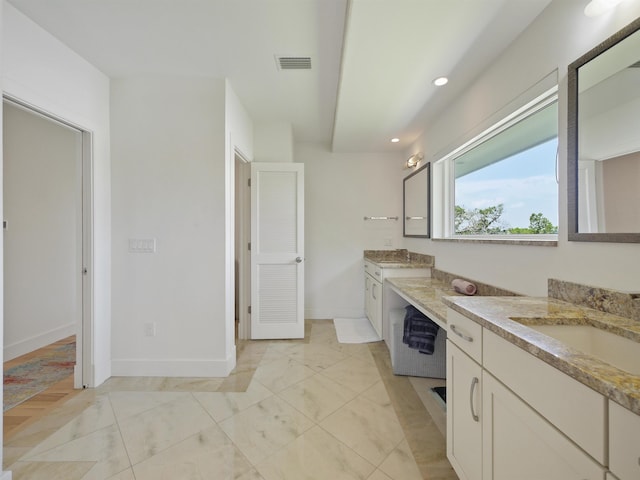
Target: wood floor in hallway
{"x": 36, "y": 407}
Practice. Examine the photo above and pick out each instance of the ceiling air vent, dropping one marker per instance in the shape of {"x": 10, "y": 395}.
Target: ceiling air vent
{"x": 294, "y": 63}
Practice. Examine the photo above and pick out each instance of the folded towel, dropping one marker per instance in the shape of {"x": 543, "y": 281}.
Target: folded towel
{"x": 419, "y": 331}
{"x": 464, "y": 287}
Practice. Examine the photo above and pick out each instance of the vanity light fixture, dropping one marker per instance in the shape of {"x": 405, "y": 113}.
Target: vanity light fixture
{"x": 395, "y": 140}
{"x": 598, "y": 7}
{"x": 440, "y": 81}
{"x": 414, "y": 159}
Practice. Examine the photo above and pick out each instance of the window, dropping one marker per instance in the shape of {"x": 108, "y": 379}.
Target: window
{"x": 504, "y": 182}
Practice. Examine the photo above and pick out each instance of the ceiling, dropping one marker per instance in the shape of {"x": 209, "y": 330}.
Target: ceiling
{"x": 372, "y": 61}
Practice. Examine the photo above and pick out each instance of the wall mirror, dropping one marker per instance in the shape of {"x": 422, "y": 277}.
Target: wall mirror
{"x": 416, "y": 203}
{"x": 604, "y": 141}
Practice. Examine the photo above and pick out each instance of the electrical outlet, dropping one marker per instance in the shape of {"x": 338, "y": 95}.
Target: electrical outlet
{"x": 388, "y": 242}
{"x": 150, "y": 329}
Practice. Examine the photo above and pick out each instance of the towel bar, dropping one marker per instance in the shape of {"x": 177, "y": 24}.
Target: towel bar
{"x": 381, "y": 218}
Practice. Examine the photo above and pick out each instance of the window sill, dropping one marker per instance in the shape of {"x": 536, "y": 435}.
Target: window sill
{"x": 547, "y": 241}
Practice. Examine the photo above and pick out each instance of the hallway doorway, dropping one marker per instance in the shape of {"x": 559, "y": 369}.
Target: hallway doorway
{"x": 47, "y": 234}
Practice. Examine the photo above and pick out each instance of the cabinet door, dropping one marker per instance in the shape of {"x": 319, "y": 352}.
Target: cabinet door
{"x": 464, "y": 427}
{"x": 519, "y": 443}
{"x": 624, "y": 442}
{"x": 367, "y": 296}
{"x": 376, "y": 307}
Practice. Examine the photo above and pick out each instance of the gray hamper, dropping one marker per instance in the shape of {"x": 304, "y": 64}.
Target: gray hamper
{"x": 407, "y": 361}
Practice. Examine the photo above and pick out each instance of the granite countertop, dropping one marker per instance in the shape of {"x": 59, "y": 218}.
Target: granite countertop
{"x": 498, "y": 313}
{"x": 426, "y": 293}
{"x": 399, "y": 264}
{"x": 398, "y": 259}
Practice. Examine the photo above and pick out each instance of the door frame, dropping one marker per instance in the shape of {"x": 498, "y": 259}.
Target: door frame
{"x": 243, "y": 255}
{"x": 83, "y": 371}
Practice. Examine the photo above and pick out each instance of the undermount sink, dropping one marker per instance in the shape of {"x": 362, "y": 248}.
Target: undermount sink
{"x": 613, "y": 349}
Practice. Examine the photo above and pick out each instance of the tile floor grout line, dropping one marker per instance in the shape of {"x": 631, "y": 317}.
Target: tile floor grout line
{"x": 369, "y": 357}
{"x": 124, "y": 444}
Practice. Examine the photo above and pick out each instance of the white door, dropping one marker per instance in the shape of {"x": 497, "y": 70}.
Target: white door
{"x": 277, "y": 250}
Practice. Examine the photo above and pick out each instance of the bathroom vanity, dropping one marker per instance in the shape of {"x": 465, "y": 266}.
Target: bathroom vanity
{"x": 526, "y": 405}
{"x": 382, "y": 265}
{"x": 536, "y": 387}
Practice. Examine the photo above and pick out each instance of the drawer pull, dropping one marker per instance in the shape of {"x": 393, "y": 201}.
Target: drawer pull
{"x": 460, "y": 334}
{"x": 474, "y": 384}
{"x": 373, "y": 292}
{"x": 377, "y": 274}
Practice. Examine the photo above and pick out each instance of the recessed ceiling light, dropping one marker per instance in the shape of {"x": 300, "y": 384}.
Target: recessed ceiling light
{"x": 395, "y": 140}
{"x": 440, "y": 81}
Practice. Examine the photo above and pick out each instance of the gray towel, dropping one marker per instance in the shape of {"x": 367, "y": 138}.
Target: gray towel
{"x": 419, "y": 331}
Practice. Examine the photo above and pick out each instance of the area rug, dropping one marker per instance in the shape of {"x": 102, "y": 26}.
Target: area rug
{"x": 26, "y": 380}
{"x": 355, "y": 330}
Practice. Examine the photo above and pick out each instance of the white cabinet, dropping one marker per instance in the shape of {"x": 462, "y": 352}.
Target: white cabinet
{"x": 374, "y": 277}
{"x": 511, "y": 416}
{"x": 464, "y": 427}
{"x": 624, "y": 442}
{"x": 373, "y": 302}
{"x": 464, "y": 396}
{"x": 519, "y": 443}
{"x": 579, "y": 412}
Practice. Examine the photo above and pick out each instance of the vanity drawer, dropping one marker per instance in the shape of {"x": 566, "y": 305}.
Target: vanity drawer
{"x": 465, "y": 333}
{"x": 373, "y": 270}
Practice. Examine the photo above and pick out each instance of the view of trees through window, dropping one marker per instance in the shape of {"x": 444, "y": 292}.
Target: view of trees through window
{"x": 507, "y": 185}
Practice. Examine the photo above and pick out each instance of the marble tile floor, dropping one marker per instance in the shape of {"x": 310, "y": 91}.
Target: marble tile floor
{"x": 300, "y": 409}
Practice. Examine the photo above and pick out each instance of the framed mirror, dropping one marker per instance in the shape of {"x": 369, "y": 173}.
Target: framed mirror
{"x": 604, "y": 141}
{"x": 416, "y": 203}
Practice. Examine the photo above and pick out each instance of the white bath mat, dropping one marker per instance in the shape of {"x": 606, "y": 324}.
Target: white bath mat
{"x": 355, "y": 330}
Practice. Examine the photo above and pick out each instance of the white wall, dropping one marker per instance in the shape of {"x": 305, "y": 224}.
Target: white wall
{"x": 41, "y": 245}
{"x": 340, "y": 190}
{"x": 169, "y": 183}
{"x": 41, "y": 71}
{"x": 274, "y": 142}
{"x": 558, "y": 36}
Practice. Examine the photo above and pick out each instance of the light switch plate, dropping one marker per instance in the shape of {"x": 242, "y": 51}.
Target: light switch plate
{"x": 142, "y": 245}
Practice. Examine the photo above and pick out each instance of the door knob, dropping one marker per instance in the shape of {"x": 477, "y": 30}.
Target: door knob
{"x": 298, "y": 260}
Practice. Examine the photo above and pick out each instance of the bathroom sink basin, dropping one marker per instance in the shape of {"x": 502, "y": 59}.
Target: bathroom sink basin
{"x": 613, "y": 349}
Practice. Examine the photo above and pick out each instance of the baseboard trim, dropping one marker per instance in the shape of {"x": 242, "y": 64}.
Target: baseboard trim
{"x": 173, "y": 368}
{"x": 38, "y": 341}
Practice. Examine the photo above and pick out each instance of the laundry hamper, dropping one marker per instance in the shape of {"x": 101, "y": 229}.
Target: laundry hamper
{"x": 408, "y": 361}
